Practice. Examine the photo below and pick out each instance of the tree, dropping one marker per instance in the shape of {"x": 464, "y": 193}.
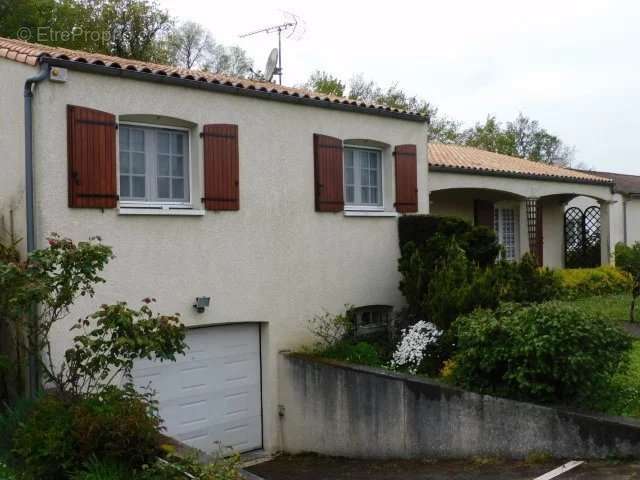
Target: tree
{"x": 231, "y": 60}
{"x": 522, "y": 138}
{"x": 190, "y": 45}
{"x": 323, "y": 82}
{"x": 109, "y": 341}
{"x": 490, "y": 136}
{"x": 628, "y": 260}
{"x": 136, "y": 28}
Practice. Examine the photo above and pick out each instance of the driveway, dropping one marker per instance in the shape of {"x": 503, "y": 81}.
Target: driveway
{"x": 312, "y": 467}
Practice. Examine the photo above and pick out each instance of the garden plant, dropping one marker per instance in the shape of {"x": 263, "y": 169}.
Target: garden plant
{"x": 88, "y": 421}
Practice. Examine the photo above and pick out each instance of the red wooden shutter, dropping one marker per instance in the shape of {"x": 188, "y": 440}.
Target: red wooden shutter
{"x": 406, "y": 178}
{"x": 91, "y": 150}
{"x": 221, "y": 167}
{"x": 483, "y": 213}
{"x": 329, "y": 188}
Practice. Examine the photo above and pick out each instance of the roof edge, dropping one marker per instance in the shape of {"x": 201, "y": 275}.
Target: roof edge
{"x": 221, "y": 88}
{"x": 529, "y": 176}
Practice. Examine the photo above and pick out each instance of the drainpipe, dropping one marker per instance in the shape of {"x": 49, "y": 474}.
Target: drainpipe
{"x": 34, "y": 371}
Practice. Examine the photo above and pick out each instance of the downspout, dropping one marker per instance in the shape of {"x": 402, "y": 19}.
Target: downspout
{"x": 34, "y": 371}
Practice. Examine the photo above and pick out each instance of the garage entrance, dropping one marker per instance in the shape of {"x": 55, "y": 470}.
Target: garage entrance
{"x": 211, "y": 394}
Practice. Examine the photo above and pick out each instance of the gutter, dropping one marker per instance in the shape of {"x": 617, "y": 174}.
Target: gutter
{"x": 221, "y": 88}
{"x": 34, "y": 373}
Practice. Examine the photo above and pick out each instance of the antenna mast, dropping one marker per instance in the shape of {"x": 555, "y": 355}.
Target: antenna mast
{"x": 279, "y": 29}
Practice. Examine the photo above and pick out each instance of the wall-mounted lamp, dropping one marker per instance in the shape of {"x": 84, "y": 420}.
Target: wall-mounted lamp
{"x": 201, "y": 304}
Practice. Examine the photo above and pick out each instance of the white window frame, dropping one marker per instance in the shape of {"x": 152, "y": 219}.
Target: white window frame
{"x": 498, "y": 227}
{"x": 138, "y": 204}
{"x": 355, "y": 207}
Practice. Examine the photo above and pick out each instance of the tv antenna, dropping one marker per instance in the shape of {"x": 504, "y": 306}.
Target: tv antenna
{"x": 273, "y": 69}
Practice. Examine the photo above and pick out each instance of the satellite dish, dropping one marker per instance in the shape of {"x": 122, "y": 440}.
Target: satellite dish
{"x": 272, "y": 64}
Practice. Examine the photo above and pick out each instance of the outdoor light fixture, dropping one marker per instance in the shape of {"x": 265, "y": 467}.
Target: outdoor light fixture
{"x": 201, "y": 304}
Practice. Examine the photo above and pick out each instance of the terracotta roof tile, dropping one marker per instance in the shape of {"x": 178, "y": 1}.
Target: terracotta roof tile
{"x": 455, "y": 157}
{"x": 32, "y": 53}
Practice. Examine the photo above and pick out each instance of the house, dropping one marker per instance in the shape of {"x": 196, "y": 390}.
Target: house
{"x": 209, "y": 186}
{"x": 625, "y": 207}
{"x": 523, "y": 201}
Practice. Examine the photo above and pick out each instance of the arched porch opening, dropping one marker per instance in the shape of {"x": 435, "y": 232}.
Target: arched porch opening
{"x": 522, "y": 223}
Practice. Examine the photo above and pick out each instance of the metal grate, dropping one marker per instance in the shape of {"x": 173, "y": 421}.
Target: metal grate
{"x": 582, "y": 237}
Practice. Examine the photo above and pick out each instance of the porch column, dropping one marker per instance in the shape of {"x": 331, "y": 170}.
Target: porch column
{"x": 524, "y": 228}
{"x": 605, "y": 232}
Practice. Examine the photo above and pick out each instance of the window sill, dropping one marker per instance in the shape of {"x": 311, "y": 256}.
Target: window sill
{"x": 184, "y": 212}
{"x": 369, "y": 213}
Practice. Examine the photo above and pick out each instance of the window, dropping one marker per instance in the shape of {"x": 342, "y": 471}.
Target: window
{"x": 363, "y": 178}
{"x": 371, "y": 319}
{"x": 154, "y": 164}
{"x": 505, "y": 224}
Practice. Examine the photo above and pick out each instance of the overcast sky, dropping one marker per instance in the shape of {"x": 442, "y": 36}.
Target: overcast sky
{"x": 572, "y": 65}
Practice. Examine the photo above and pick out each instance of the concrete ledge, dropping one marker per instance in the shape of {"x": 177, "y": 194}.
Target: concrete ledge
{"x": 340, "y": 409}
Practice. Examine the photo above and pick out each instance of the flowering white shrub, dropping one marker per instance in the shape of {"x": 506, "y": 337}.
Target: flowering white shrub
{"x": 411, "y": 349}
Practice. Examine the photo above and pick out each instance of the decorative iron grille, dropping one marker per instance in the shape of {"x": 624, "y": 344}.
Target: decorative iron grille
{"x": 582, "y": 237}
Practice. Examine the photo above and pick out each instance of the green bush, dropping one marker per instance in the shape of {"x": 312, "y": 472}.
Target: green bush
{"x": 362, "y": 353}
{"x": 118, "y": 425}
{"x": 103, "y": 470}
{"x": 221, "y": 467}
{"x": 42, "y": 446}
{"x": 10, "y": 419}
{"x": 588, "y": 282}
{"x": 516, "y": 282}
{"x": 59, "y": 435}
{"x": 433, "y": 234}
{"x": 628, "y": 259}
{"x": 546, "y": 353}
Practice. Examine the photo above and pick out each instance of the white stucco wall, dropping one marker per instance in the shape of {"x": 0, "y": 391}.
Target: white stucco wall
{"x": 12, "y": 199}
{"x": 275, "y": 261}
{"x": 633, "y": 220}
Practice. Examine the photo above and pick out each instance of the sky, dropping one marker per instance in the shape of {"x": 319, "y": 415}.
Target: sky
{"x": 572, "y": 65}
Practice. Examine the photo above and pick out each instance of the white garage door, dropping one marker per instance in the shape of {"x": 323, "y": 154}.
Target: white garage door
{"x": 211, "y": 394}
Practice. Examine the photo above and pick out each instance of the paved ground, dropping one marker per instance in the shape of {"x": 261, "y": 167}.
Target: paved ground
{"x": 310, "y": 467}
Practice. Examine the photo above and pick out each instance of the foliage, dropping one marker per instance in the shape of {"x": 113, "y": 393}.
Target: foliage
{"x": 323, "y": 82}
{"x": 415, "y": 346}
{"x": 523, "y": 138}
{"x": 332, "y": 329}
{"x": 10, "y": 419}
{"x": 95, "y": 469}
{"x": 222, "y": 467}
{"x": 434, "y": 233}
{"x": 42, "y": 446}
{"x": 628, "y": 260}
{"x": 519, "y": 282}
{"x": 138, "y": 29}
{"x": 190, "y": 45}
{"x": 362, "y": 353}
{"x": 546, "y": 353}
{"x": 6, "y": 473}
{"x": 120, "y": 425}
{"x": 588, "y": 282}
{"x": 120, "y": 336}
{"x": 450, "y": 288}
{"x": 108, "y": 341}
{"x": 623, "y": 395}
{"x": 59, "y": 434}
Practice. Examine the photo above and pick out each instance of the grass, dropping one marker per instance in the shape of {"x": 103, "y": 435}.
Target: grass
{"x": 612, "y": 307}
{"x": 626, "y": 385}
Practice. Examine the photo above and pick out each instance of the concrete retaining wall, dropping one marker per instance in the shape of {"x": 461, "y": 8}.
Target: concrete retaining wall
{"x": 346, "y": 410}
